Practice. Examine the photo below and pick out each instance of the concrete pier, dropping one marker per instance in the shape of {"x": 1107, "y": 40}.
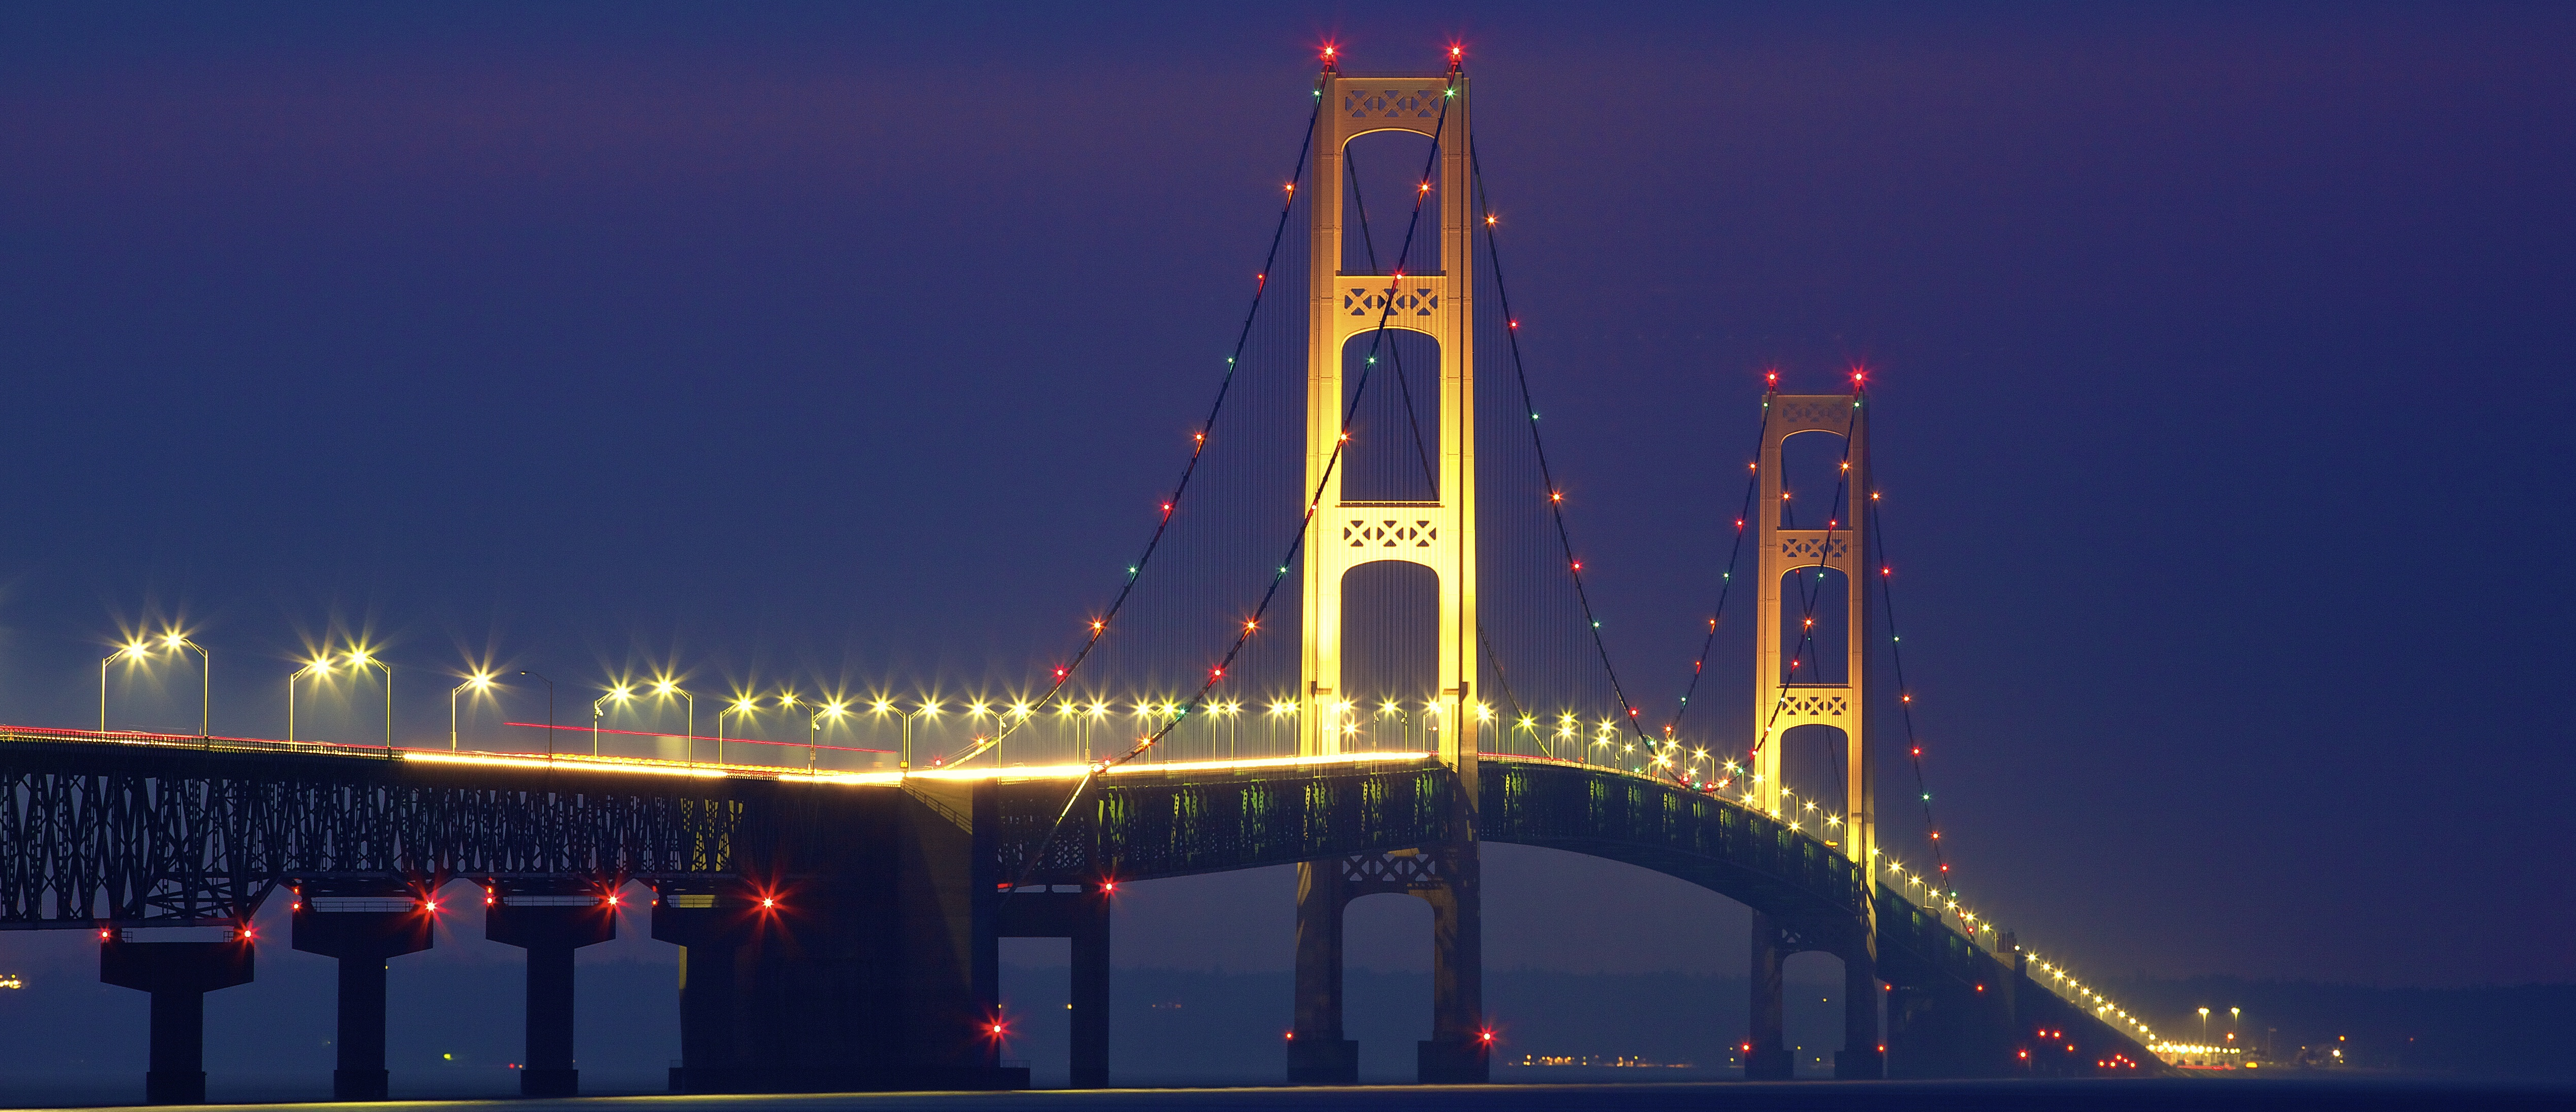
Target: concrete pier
{"x": 363, "y": 941}
{"x": 550, "y": 926}
{"x": 178, "y": 975}
{"x": 1081, "y": 916}
{"x": 855, "y": 949}
{"x": 1446, "y": 878}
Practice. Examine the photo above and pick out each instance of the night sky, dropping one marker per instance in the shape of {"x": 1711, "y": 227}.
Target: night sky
{"x": 2220, "y": 359}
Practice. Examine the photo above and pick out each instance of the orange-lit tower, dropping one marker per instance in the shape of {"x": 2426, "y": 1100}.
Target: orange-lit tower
{"x": 1431, "y": 295}
{"x": 1809, "y": 577}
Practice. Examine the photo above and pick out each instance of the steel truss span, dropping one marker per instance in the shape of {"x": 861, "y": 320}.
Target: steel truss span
{"x": 160, "y": 837}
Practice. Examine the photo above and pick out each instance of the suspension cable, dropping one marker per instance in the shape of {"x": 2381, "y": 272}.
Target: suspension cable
{"x": 1413, "y": 420}
{"x": 1315, "y": 499}
{"x": 1726, "y": 581}
{"x": 1305, "y": 524}
{"x": 1555, "y": 496}
{"x": 1198, "y": 450}
{"x": 1904, "y": 695}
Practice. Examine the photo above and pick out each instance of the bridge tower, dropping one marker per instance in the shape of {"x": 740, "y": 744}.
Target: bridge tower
{"x": 1789, "y": 691}
{"x": 1432, "y": 296}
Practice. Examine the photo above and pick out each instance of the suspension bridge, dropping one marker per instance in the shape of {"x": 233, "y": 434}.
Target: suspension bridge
{"x": 1307, "y": 672}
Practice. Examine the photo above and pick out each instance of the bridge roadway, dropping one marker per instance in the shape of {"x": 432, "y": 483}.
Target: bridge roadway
{"x": 839, "y": 928}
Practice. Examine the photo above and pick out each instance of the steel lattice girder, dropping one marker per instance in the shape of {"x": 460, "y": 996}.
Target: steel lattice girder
{"x": 92, "y": 834}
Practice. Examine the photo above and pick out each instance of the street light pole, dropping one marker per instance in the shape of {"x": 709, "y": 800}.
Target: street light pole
{"x": 132, "y": 649}
{"x": 832, "y": 710}
{"x": 618, "y": 693}
{"x": 359, "y": 658}
{"x": 317, "y": 667}
{"x": 178, "y": 643}
{"x": 479, "y": 681}
{"x": 903, "y": 758}
{"x": 742, "y": 705}
{"x": 689, "y": 736}
{"x": 786, "y": 700}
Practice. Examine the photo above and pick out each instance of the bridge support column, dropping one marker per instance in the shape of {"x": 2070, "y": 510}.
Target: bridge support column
{"x": 362, "y": 941}
{"x": 1317, "y": 1052}
{"x": 1863, "y": 1056}
{"x": 1445, "y": 877}
{"x": 1083, "y": 917}
{"x": 178, "y": 975}
{"x": 1766, "y": 1055}
{"x": 1458, "y": 1052}
{"x": 710, "y": 929}
{"x": 550, "y": 928}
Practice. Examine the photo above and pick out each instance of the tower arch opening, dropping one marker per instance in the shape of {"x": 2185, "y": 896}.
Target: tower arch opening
{"x": 1382, "y": 179}
{"x": 1390, "y": 656}
{"x": 1813, "y": 479}
{"x": 1815, "y": 626}
{"x": 1394, "y": 406}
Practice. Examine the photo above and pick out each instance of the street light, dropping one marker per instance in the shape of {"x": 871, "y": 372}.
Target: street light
{"x": 131, "y": 649}
{"x": 883, "y": 707}
{"x": 1231, "y": 709}
{"x": 317, "y": 667}
{"x": 2204, "y": 1026}
{"x": 741, "y": 705}
{"x": 176, "y": 643}
{"x": 665, "y": 688}
{"x": 2234, "y": 1014}
{"x": 833, "y": 710}
{"x": 359, "y": 659}
{"x": 480, "y": 681}
{"x": 1279, "y": 708}
{"x": 620, "y": 693}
